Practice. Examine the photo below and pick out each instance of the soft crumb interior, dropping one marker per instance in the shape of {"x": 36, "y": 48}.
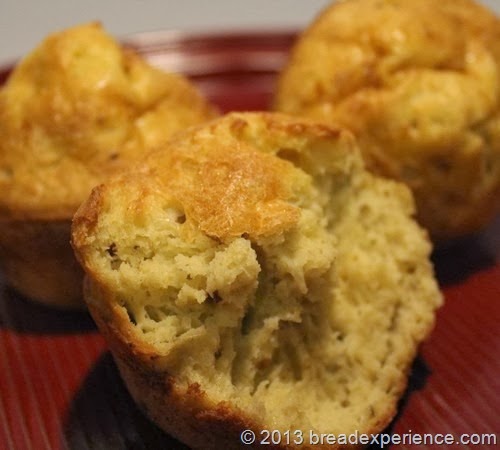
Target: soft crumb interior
{"x": 311, "y": 328}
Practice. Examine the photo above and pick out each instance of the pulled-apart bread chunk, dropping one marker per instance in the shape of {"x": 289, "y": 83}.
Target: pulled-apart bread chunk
{"x": 252, "y": 274}
{"x": 418, "y": 83}
{"x": 78, "y": 108}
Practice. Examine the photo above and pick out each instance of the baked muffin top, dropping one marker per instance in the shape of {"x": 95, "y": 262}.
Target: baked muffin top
{"x": 225, "y": 175}
{"x": 418, "y": 82}
{"x": 78, "y": 108}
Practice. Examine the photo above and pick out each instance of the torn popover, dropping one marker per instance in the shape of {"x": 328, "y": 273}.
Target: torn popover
{"x": 251, "y": 274}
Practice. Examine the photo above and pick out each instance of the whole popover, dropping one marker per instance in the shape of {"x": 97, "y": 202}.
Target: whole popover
{"x": 418, "y": 82}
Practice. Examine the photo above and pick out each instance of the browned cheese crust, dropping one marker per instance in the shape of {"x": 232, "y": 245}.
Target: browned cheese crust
{"x": 78, "y": 108}
{"x": 418, "y": 82}
{"x": 252, "y": 275}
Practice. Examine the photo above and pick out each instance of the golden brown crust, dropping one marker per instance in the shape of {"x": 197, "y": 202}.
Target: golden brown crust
{"x": 239, "y": 192}
{"x": 422, "y": 98}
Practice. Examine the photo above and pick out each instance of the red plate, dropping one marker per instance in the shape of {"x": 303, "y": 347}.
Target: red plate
{"x": 59, "y": 388}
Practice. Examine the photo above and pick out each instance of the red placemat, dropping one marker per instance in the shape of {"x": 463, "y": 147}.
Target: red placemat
{"x": 59, "y": 388}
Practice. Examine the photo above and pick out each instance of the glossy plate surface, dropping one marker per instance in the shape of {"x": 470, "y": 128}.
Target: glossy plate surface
{"x": 59, "y": 388}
